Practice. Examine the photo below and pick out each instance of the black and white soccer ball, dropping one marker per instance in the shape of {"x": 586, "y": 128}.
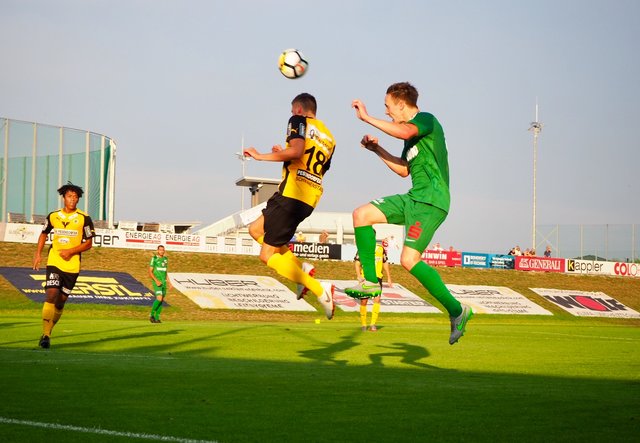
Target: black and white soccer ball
{"x": 292, "y": 63}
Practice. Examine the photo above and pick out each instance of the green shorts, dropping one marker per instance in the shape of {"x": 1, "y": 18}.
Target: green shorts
{"x": 421, "y": 220}
{"x": 160, "y": 290}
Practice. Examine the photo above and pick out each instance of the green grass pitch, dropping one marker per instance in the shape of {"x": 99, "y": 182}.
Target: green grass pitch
{"x": 111, "y": 376}
{"x": 529, "y": 380}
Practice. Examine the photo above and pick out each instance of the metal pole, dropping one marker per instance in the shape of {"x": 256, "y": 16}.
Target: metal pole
{"x": 633, "y": 243}
{"x": 33, "y": 169}
{"x": 536, "y": 127}
{"x": 60, "y": 153}
{"x": 5, "y": 170}
{"x": 112, "y": 182}
{"x": 101, "y": 180}
{"x": 243, "y": 160}
{"x": 86, "y": 172}
{"x": 606, "y": 241}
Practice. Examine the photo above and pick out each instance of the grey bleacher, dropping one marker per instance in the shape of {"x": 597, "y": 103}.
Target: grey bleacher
{"x": 128, "y": 225}
{"x": 16, "y": 217}
{"x": 101, "y": 224}
{"x": 38, "y": 219}
{"x": 151, "y": 227}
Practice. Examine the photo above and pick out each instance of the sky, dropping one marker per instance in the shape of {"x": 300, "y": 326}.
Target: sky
{"x": 181, "y": 85}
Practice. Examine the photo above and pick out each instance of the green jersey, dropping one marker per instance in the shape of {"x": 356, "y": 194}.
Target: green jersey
{"x": 159, "y": 265}
{"x": 428, "y": 161}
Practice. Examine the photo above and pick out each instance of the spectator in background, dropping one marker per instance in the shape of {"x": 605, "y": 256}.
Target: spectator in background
{"x": 515, "y": 251}
{"x": 381, "y": 263}
{"x": 324, "y": 237}
{"x": 300, "y": 238}
{"x": 547, "y": 251}
{"x": 391, "y": 243}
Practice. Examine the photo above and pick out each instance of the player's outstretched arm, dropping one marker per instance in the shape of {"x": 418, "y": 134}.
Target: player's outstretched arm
{"x": 401, "y": 130}
{"x": 396, "y": 164}
{"x": 294, "y": 150}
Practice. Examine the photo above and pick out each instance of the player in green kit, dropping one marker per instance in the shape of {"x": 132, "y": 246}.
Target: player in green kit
{"x": 158, "y": 272}
{"x": 422, "y": 210}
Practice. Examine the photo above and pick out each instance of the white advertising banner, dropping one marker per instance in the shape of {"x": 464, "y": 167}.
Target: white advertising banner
{"x": 22, "y": 233}
{"x": 586, "y": 304}
{"x": 621, "y": 269}
{"x": 394, "y": 299}
{"x": 223, "y": 291}
{"x": 151, "y": 240}
{"x": 495, "y": 300}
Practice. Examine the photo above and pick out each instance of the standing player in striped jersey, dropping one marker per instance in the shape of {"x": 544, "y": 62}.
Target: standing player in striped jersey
{"x": 72, "y": 235}
{"x": 307, "y": 157}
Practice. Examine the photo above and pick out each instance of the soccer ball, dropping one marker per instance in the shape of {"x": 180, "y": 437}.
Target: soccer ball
{"x": 292, "y": 63}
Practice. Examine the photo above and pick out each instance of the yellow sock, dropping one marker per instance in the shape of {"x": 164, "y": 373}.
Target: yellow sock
{"x": 286, "y": 266}
{"x": 56, "y": 316}
{"x": 290, "y": 255}
{"x": 48, "y": 313}
{"x": 363, "y": 315}
{"x": 374, "y": 312}
{"x": 260, "y": 239}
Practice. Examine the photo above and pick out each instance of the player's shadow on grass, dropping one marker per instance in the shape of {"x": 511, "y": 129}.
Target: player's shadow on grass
{"x": 408, "y": 354}
{"x": 327, "y": 354}
{"x": 160, "y": 342}
{"x": 97, "y": 338}
{"x": 17, "y": 324}
{"x": 56, "y": 336}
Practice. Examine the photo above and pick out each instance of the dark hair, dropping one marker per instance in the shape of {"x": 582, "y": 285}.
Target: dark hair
{"x": 404, "y": 91}
{"x": 70, "y": 187}
{"x": 307, "y": 101}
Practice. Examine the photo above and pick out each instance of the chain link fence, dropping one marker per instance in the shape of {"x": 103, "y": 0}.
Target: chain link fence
{"x": 36, "y": 159}
{"x": 616, "y": 242}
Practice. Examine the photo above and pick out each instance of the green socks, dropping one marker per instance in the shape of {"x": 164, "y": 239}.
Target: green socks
{"x": 156, "y": 308}
{"x": 366, "y": 243}
{"x": 431, "y": 280}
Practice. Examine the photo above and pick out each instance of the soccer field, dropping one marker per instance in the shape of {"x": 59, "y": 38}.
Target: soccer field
{"x": 507, "y": 380}
{"x": 229, "y": 376}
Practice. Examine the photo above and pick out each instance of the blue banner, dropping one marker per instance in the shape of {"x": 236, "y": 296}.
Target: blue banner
{"x": 502, "y": 261}
{"x": 102, "y": 287}
{"x": 475, "y": 260}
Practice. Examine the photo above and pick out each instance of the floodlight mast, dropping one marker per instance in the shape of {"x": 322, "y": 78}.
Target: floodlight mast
{"x": 242, "y": 159}
{"x": 536, "y": 127}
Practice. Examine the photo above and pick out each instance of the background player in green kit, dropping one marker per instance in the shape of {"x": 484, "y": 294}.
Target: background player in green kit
{"x": 422, "y": 210}
{"x": 158, "y": 273}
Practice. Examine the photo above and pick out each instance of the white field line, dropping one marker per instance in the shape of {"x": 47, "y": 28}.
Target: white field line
{"x": 56, "y": 426}
{"x": 595, "y": 337}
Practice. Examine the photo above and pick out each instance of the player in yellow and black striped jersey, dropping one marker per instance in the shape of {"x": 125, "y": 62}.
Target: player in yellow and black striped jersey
{"x": 72, "y": 235}
{"x": 306, "y": 158}
{"x": 381, "y": 262}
